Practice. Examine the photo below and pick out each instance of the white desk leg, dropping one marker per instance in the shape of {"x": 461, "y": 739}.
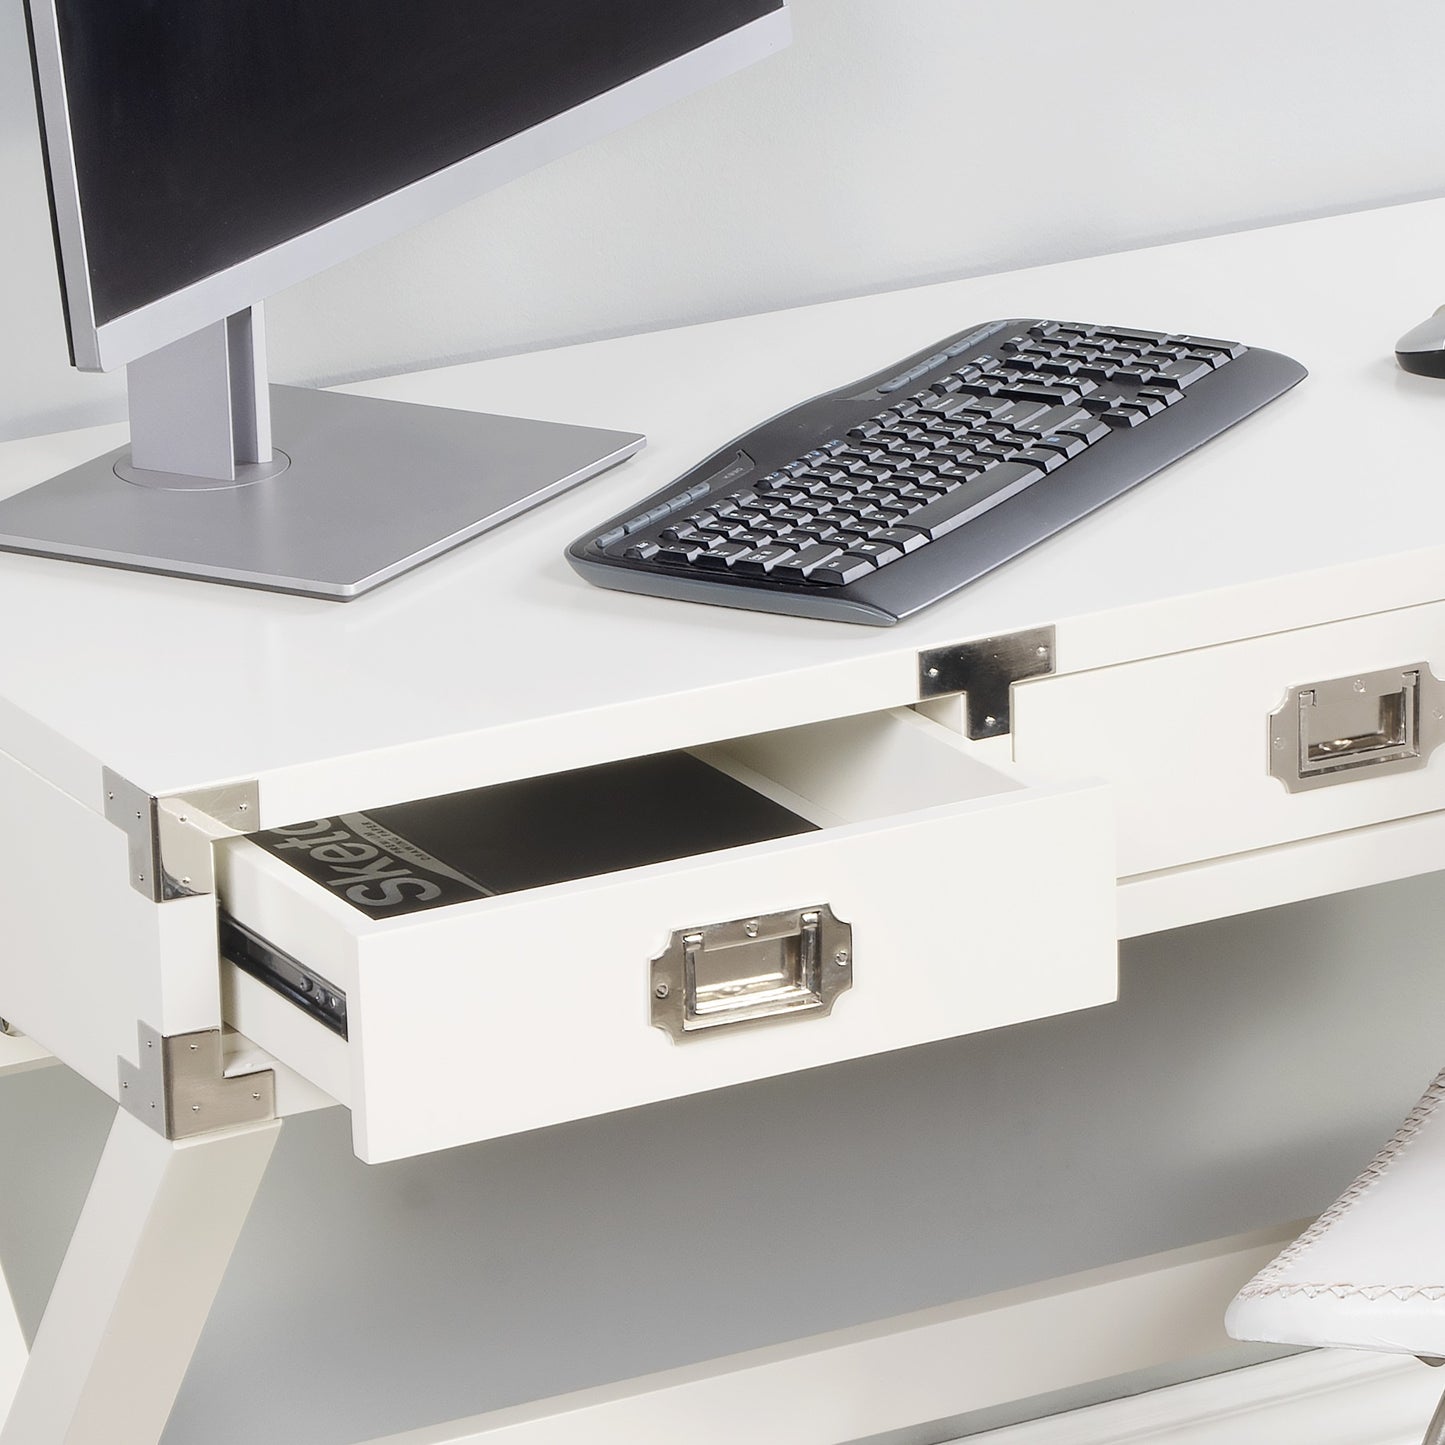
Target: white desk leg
{"x": 12, "y": 1346}
{"x": 136, "y": 1285}
{"x": 17, "y": 1055}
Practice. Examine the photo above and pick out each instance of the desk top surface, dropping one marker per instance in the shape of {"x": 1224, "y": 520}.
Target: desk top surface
{"x": 497, "y": 661}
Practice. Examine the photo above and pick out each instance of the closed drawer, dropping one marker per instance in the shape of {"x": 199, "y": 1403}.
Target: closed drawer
{"x": 1187, "y": 741}
{"x": 973, "y": 902}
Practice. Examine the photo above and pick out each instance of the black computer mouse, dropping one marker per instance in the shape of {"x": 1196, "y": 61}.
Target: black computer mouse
{"x": 1422, "y": 348}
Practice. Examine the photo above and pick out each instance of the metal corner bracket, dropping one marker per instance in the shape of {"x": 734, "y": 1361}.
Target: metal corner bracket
{"x": 170, "y": 838}
{"x": 180, "y": 1088}
{"x": 986, "y": 670}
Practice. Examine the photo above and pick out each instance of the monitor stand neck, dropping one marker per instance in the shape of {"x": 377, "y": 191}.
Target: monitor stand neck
{"x": 372, "y": 487}
{"x": 200, "y": 409}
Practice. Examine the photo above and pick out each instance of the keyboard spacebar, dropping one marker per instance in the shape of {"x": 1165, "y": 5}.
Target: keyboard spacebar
{"x": 986, "y": 490}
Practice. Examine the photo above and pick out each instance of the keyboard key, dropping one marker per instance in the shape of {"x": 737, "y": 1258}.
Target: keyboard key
{"x": 1049, "y": 395}
{"x": 911, "y": 497}
{"x": 761, "y": 560}
{"x": 800, "y": 537}
{"x": 841, "y": 572}
{"x": 874, "y": 550}
{"x": 1064, "y": 443}
{"x": 1178, "y": 374}
{"x": 999, "y": 451}
{"x": 921, "y": 475}
{"x": 987, "y": 490}
{"x": 1052, "y": 418}
{"x": 906, "y": 539}
{"x": 795, "y": 568}
{"x": 1149, "y": 405}
{"x": 1230, "y": 349}
{"x": 875, "y": 512}
{"x": 721, "y": 557}
{"x": 1166, "y": 398}
{"x": 1124, "y": 333}
{"x": 1046, "y": 459}
{"x": 984, "y": 406}
{"x": 1020, "y": 414}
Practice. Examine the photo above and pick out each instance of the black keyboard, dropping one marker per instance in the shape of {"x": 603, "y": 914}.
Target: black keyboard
{"x": 870, "y": 502}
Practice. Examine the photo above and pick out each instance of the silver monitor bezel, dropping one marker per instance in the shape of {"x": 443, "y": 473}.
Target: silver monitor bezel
{"x": 179, "y": 313}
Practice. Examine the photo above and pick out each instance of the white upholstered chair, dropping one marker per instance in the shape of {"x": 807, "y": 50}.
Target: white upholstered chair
{"x": 1369, "y": 1274}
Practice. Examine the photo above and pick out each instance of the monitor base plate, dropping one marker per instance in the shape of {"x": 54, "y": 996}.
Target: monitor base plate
{"x": 374, "y": 488}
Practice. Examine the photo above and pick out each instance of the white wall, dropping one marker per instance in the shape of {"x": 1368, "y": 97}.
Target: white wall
{"x": 897, "y": 141}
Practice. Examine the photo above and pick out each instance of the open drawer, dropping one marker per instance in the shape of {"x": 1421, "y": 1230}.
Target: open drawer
{"x": 933, "y": 896}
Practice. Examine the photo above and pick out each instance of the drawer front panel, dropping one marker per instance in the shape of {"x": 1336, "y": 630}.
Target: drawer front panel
{"x": 514, "y": 1012}
{"x": 1187, "y": 741}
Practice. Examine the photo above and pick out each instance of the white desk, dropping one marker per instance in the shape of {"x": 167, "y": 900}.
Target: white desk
{"x": 1273, "y": 558}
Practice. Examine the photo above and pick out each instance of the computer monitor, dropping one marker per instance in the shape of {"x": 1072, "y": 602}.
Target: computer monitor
{"x": 202, "y": 156}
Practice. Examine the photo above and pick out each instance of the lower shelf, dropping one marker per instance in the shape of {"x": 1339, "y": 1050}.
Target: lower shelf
{"x": 903, "y": 1372}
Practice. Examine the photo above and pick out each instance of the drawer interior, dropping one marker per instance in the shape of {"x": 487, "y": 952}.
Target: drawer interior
{"x": 852, "y": 769}
{"x": 538, "y": 833}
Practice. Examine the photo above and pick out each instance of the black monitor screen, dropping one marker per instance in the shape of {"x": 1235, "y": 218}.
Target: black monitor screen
{"x": 206, "y": 132}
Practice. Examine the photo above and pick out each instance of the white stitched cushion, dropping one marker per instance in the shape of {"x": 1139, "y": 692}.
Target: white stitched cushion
{"x": 1370, "y": 1272}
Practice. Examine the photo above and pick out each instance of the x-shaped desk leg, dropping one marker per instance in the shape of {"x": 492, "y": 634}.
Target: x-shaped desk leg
{"x": 12, "y": 1346}
{"x": 143, "y": 1267}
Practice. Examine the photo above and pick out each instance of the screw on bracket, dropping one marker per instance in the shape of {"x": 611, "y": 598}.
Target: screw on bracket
{"x": 169, "y": 839}
{"x": 180, "y": 1087}
{"x": 986, "y": 670}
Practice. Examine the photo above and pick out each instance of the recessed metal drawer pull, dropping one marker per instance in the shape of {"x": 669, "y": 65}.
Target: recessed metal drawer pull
{"x": 1367, "y": 725}
{"x": 751, "y": 970}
